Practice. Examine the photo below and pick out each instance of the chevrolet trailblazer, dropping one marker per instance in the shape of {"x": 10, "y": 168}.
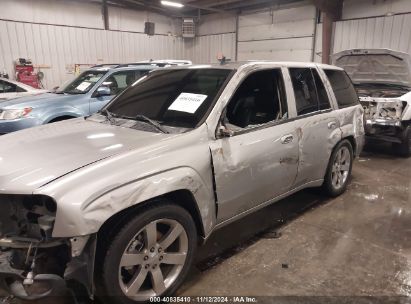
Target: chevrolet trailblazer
{"x": 119, "y": 200}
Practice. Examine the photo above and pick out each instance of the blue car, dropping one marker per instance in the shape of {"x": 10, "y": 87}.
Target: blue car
{"x": 83, "y": 96}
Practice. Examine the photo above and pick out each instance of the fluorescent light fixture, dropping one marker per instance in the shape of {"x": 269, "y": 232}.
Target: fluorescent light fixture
{"x": 173, "y": 4}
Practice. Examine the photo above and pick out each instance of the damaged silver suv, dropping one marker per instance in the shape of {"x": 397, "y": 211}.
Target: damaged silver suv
{"x": 382, "y": 78}
{"x": 120, "y": 200}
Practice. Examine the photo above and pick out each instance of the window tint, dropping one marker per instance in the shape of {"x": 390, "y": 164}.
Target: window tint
{"x": 304, "y": 90}
{"x": 343, "y": 89}
{"x": 7, "y": 87}
{"x": 323, "y": 100}
{"x": 258, "y": 100}
{"x": 175, "y": 97}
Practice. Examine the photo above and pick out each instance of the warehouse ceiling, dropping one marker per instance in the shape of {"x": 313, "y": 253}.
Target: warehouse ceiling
{"x": 193, "y": 7}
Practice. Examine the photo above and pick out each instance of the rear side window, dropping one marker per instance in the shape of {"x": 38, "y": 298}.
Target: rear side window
{"x": 309, "y": 90}
{"x": 343, "y": 88}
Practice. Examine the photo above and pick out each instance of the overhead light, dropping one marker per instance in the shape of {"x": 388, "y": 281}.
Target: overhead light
{"x": 173, "y": 4}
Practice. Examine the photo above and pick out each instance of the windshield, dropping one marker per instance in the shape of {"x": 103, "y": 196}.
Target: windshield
{"x": 83, "y": 83}
{"x": 177, "y": 97}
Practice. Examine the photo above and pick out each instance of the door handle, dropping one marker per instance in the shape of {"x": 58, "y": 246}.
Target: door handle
{"x": 332, "y": 125}
{"x": 286, "y": 139}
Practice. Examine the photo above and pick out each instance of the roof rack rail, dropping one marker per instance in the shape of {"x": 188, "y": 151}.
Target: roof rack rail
{"x": 132, "y": 64}
{"x": 106, "y": 65}
{"x": 158, "y": 63}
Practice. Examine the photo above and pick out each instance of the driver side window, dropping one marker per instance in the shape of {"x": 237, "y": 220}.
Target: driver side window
{"x": 258, "y": 100}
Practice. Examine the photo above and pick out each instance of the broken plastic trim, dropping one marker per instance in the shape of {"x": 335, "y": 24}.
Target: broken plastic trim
{"x": 12, "y": 281}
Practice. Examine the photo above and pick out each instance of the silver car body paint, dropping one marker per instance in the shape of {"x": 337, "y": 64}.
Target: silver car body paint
{"x": 95, "y": 170}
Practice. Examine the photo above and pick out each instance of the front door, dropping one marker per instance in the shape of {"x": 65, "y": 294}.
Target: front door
{"x": 259, "y": 161}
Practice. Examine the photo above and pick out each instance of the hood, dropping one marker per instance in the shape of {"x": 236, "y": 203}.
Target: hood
{"x": 379, "y": 66}
{"x": 33, "y": 92}
{"x": 34, "y": 157}
{"x": 36, "y": 100}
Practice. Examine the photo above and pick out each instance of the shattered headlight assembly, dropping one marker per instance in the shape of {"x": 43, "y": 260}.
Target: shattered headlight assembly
{"x": 11, "y": 114}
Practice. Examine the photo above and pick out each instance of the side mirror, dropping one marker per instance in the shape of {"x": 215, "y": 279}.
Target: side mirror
{"x": 103, "y": 91}
{"x": 224, "y": 132}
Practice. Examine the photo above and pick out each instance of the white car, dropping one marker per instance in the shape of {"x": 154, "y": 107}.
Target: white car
{"x": 12, "y": 89}
{"x": 382, "y": 78}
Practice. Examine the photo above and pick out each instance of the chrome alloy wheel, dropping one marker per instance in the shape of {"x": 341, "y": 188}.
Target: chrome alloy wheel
{"x": 153, "y": 259}
{"x": 341, "y": 167}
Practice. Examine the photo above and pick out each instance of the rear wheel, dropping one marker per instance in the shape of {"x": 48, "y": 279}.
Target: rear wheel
{"x": 404, "y": 148}
{"x": 339, "y": 169}
{"x": 149, "y": 257}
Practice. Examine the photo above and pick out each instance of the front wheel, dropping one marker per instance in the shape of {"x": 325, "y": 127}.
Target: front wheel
{"x": 339, "y": 169}
{"x": 149, "y": 257}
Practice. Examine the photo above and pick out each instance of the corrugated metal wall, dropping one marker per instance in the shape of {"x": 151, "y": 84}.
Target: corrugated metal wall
{"x": 382, "y": 32}
{"x": 77, "y": 34}
{"x": 60, "y": 47}
{"x": 216, "y": 35}
{"x": 59, "y": 34}
{"x": 354, "y": 9}
{"x": 204, "y": 49}
{"x": 285, "y": 34}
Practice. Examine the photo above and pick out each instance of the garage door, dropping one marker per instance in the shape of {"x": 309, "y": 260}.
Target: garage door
{"x": 285, "y": 34}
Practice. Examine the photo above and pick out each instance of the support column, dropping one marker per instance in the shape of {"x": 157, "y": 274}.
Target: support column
{"x": 332, "y": 11}
{"x": 104, "y": 11}
{"x": 327, "y": 36}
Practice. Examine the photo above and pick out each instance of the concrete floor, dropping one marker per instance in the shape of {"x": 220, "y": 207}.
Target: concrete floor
{"x": 311, "y": 249}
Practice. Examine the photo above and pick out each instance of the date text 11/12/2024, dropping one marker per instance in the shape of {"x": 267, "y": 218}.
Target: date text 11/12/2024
{"x": 204, "y": 299}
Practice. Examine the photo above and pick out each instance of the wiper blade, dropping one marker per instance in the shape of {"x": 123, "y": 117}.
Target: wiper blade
{"x": 109, "y": 115}
{"x": 151, "y": 122}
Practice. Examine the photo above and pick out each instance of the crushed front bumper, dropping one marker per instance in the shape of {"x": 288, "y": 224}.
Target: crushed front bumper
{"x": 11, "y": 280}
{"x": 25, "y": 283}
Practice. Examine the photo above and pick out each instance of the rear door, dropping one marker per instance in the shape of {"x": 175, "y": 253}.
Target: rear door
{"x": 318, "y": 123}
{"x": 349, "y": 110}
{"x": 259, "y": 160}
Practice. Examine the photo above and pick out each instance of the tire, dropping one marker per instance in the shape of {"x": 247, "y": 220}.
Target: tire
{"x": 339, "y": 169}
{"x": 404, "y": 148}
{"x": 153, "y": 264}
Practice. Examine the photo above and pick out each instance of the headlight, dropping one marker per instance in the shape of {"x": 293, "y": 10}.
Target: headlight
{"x": 11, "y": 114}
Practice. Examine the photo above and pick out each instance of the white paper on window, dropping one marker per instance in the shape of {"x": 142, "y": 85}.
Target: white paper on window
{"x": 187, "y": 102}
{"x": 83, "y": 86}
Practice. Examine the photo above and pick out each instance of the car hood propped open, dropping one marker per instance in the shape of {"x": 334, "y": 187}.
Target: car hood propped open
{"x": 376, "y": 66}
